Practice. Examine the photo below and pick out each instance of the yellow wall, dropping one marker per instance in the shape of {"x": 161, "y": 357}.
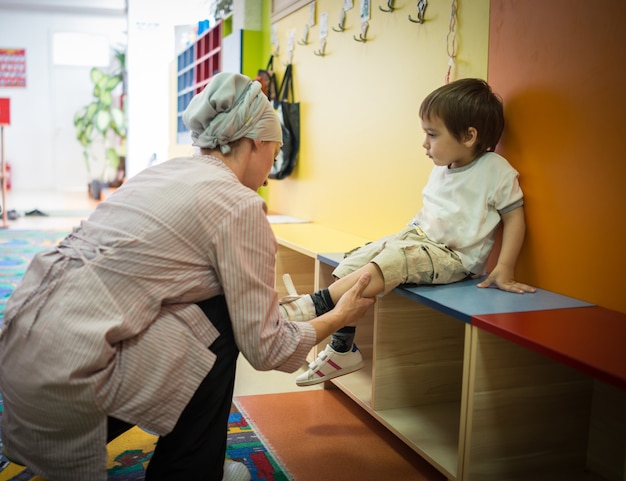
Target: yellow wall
{"x": 362, "y": 167}
{"x": 560, "y": 72}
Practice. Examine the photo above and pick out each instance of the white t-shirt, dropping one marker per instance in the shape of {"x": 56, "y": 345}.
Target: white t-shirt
{"x": 462, "y": 207}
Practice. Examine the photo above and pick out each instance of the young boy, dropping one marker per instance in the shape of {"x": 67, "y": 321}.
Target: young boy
{"x": 469, "y": 192}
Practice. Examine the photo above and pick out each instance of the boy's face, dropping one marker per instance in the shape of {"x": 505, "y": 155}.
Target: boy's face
{"x": 443, "y": 148}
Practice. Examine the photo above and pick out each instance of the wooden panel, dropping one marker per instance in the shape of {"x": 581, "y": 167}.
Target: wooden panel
{"x": 430, "y": 430}
{"x": 607, "y": 433}
{"x": 419, "y": 355}
{"x": 527, "y": 415}
{"x": 300, "y": 267}
{"x": 323, "y": 275}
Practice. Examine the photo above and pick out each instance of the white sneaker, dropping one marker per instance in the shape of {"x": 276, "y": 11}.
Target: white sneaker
{"x": 330, "y": 364}
{"x": 234, "y": 471}
{"x": 295, "y": 307}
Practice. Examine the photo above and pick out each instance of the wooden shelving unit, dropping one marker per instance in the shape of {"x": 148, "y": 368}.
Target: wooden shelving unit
{"x": 474, "y": 404}
{"x": 195, "y": 66}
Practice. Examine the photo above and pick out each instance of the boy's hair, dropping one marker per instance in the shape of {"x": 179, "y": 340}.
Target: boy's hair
{"x": 467, "y": 103}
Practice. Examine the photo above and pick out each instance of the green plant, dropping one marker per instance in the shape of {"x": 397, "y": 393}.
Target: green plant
{"x": 222, "y": 8}
{"x": 101, "y": 125}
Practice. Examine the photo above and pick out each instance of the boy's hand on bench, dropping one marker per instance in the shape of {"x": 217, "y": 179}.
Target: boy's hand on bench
{"x": 503, "y": 280}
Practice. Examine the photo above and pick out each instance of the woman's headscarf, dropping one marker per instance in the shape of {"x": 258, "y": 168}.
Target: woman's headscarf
{"x": 230, "y": 107}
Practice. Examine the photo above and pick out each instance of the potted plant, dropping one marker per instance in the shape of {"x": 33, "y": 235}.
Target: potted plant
{"x": 101, "y": 127}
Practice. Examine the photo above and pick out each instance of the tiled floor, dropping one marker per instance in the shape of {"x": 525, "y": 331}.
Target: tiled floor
{"x": 65, "y": 210}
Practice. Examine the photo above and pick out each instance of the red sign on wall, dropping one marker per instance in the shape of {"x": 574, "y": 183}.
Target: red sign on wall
{"x": 12, "y": 67}
{"x": 5, "y": 111}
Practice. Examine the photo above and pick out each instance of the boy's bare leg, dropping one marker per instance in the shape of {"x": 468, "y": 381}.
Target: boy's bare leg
{"x": 303, "y": 308}
{"x": 375, "y": 287}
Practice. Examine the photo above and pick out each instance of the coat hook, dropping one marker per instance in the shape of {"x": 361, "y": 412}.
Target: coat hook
{"x": 289, "y": 58}
{"x": 363, "y": 35}
{"x": 322, "y": 51}
{"x": 421, "y": 9}
{"x": 390, "y": 7}
{"x": 305, "y": 37}
{"x": 342, "y": 22}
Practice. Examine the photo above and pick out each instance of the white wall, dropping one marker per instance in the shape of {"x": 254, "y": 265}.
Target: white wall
{"x": 39, "y": 143}
{"x": 151, "y": 49}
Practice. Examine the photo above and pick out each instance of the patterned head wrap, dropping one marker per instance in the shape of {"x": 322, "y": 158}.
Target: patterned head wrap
{"x": 230, "y": 107}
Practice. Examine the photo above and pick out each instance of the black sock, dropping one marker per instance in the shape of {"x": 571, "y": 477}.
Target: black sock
{"x": 342, "y": 340}
{"x": 322, "y": 302}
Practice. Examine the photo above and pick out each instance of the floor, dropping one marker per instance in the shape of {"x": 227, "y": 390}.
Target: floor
{"x": 65, "y": 210}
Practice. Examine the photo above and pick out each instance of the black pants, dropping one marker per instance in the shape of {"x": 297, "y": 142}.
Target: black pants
{"x": 196, "y": 447}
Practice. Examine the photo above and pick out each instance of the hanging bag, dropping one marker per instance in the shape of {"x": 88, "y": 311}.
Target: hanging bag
{"x": 288, "y": 112}
{"x": 267, "y": 78}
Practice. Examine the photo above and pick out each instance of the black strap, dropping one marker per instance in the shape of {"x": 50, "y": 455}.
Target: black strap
{"x": 286, "y": 86}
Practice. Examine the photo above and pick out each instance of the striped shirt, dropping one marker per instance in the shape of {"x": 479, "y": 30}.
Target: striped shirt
{"x": 106, "y": 323}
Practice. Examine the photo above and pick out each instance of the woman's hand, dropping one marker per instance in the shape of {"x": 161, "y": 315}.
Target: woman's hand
{"x": 352, "y": 305}
{"x": 348, "y": 310}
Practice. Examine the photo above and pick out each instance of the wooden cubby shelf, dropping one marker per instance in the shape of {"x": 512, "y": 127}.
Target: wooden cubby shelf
{"x": 478, "y": 381}
{"x": 195, "y": 66}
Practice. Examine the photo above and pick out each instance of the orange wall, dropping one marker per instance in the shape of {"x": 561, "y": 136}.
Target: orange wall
{"x": 560, "y": 67}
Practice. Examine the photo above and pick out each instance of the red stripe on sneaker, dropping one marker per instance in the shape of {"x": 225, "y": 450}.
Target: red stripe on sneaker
{"x": 335, "y": 365}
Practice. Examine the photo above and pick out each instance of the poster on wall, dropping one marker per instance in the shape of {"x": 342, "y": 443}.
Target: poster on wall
{"x": 12, "y": 67}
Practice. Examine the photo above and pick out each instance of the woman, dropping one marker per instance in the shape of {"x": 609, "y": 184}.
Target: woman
{"x": 138, "y": 316}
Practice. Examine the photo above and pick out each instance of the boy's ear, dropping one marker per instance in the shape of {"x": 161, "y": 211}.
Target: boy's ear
{"x": 470, "y": 137}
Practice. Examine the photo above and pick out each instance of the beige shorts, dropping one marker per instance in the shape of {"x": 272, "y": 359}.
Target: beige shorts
{"x": 408, "y": 257}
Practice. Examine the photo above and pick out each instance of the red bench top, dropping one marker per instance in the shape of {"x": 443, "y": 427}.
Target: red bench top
{"x": 590, "y": 339}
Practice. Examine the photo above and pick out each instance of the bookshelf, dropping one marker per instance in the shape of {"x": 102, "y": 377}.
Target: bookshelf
{"x": 195, "y": 66}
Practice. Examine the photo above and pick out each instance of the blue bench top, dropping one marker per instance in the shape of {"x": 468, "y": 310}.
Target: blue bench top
{"x": 463, "y": 300}
{"x": 592, "y": 339}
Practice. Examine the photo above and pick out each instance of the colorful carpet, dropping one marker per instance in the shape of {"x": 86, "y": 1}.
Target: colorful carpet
{"x": 17, "y": 248}
{"x": 130, "y": 453}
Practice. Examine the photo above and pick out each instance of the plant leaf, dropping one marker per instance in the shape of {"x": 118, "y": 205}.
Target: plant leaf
{"x": 91, "y": 110}
{"x": 102, "y": 121}
{"x": 106, "y": 98}
{"x": 112, "y": 157}
{"x": 96, "y": 75}
{"x": 112, "y": 82}
{"x": 118, "y": 122}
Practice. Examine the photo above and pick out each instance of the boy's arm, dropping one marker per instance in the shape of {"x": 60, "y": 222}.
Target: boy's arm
{"x": 502, "y": 276}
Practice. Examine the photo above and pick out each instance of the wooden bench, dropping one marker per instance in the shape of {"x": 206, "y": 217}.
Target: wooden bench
{"x": 486, "y": 385}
